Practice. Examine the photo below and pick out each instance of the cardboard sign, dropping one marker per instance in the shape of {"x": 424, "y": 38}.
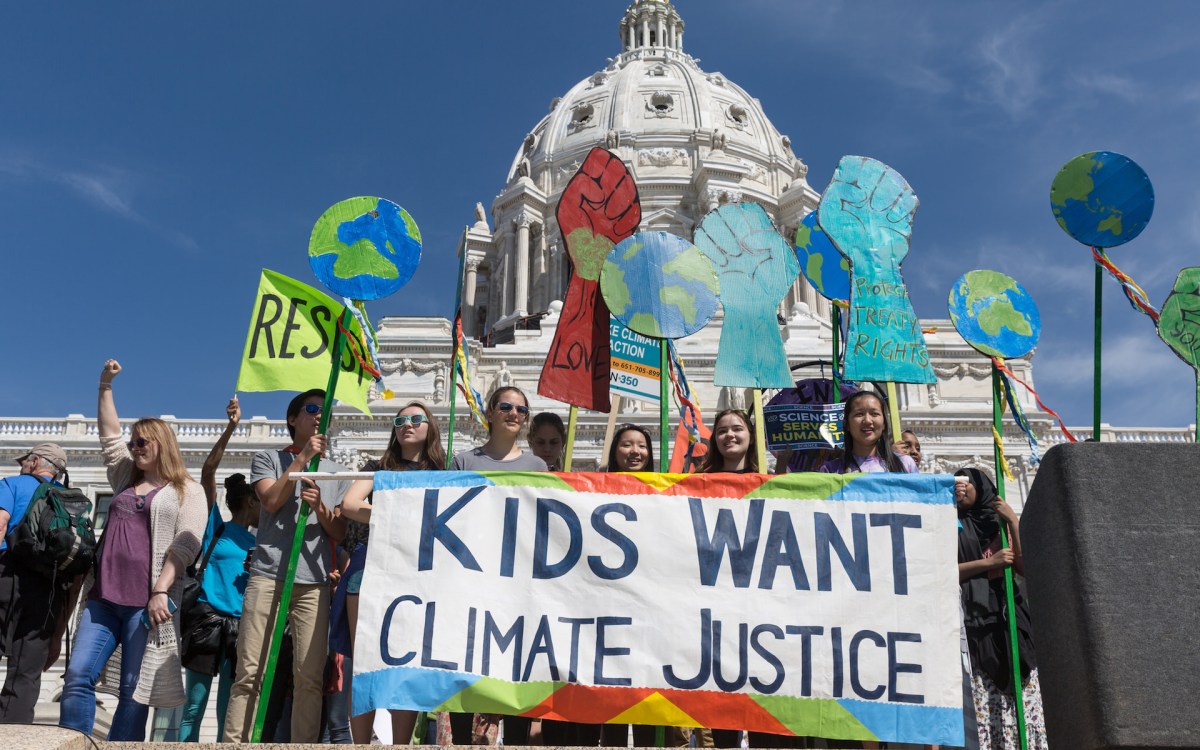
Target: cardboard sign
{"x": 288, "y": 346}
{"x": 803, "y": 427}
{"x": 1102, "y": 199}
{"x": 802, "y": 604}
{"x": 660, "y": 285}
{"x": 867, "y": 212}
{"x": 634, "y": 364}
{"x": 756, "y": 268}
{"x": 598, "y": 209}
{"x": 1179, "y": 319}
{"x": 994, "y": 314}
{"x": 825, "y": 268}
{"x": 364, "y": 248}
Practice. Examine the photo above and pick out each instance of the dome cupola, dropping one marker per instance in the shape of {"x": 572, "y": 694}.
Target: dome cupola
{"x": 651, "y": 23}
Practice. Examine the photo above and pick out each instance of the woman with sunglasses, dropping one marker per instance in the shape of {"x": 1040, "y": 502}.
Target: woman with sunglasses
{"x": 415, "y": 444}
{"x": 507, "y": 412}
{"x": 155, "y": 523}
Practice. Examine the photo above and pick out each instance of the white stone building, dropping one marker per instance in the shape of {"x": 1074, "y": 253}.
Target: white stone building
{"x": 693, "y": 140}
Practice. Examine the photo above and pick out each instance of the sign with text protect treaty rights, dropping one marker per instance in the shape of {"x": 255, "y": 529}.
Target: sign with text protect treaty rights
{"x": 806, "y": 604}
{"x": 634, "y": 363}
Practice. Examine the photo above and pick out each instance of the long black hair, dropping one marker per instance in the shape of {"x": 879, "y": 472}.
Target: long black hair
{"x": 612, "y": 449}
{"x": 883, "y": 448}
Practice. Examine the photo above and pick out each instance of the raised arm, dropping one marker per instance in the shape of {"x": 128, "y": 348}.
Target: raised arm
{"x": 208, "y": 474}
{"x": 106, "y": 411}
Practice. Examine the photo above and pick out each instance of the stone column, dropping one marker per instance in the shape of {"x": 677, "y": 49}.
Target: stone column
{"x": 661, "y": 30}
{"x": 521, "y": 281}
{"x": 645, "y": 32}
{"x": 540, "y": 269}
{"x": 468, "y": 311}
{"x": 673, "y": 37}
{"x": 631, "y": 32}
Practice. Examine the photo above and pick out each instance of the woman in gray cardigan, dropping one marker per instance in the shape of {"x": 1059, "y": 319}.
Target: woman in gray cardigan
{"x": 153, "y": 532}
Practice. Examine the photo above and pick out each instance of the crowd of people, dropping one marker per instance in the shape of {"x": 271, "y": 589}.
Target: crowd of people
{"x": 160, "y": 636}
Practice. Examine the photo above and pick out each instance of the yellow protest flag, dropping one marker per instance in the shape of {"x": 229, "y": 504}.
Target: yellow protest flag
{"x": 288, "y": 347}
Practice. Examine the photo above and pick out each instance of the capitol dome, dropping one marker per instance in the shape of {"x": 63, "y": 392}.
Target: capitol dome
{"x": 693, "y": 140}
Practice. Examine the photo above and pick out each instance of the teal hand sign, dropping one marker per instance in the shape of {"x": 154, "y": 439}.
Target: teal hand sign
{"x": 867, "y": 212}
{"x": 756, "y": 267}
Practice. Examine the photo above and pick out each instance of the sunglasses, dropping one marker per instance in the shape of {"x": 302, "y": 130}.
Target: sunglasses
{"x": 312, "y": 408}
{"x": 506, "y": 407}
{"x": 138, "y": 443}
{"x": 416, "y": 420}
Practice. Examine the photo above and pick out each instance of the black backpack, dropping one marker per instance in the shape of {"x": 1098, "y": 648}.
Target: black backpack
{"x": 56, "y": 537}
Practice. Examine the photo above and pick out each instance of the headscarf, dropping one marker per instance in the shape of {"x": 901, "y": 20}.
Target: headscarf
{"x": 983, "y": 598}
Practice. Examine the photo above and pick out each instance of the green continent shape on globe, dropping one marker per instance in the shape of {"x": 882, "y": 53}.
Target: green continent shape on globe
{"x": 616, "y": 291}
{"x": 1073, "y": 183}
{"x": 588, "y": 252}
{"x": 999, "y": 314}
{"x": 814, "y": 270}
{"x": 1111, "y": 224}
{"x": 363, "y": 258}
{"x": 693, "y": 265}
{"x": 411, "y": 225}
{"x": 631, "y": 251}
{"x": 681, "y": 299}
{"x": 804, "y": 236}
{"x": 325, "y": 234}
{"x": 978, "y": 286}
{"x": 645, "y": 324}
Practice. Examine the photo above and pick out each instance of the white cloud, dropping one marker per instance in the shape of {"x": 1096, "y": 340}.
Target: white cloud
{"x": 107, "y": 188}
{"x": 1110, "y": 85}
{"x": 1012, "y": 71}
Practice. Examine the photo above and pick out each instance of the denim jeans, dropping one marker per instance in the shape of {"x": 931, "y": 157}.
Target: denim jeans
{"x": 102, "y": 627}
{"x": 198, "y": 686}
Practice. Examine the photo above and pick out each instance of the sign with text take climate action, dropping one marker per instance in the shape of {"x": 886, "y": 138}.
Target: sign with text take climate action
{"x": 801, "y": 604}
{"x": 635, "y": 361}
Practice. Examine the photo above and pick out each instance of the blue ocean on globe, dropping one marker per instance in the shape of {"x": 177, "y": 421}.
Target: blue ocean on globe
{"x": 659, "y": 285}
{"x": 825, "y": 268}
{"x": 1102, "y": 199}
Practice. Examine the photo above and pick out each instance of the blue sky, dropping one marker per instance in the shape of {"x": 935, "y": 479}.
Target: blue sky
{"x": 155, "y": 156}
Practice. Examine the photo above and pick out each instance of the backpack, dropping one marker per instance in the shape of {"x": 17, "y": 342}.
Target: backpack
{"x": 56, "y": 536}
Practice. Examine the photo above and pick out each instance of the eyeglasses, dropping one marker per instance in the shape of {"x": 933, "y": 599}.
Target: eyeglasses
{"x": 312, "y": 408}
{"x": 506, "y": 407}
{"x": 138, "y": 443}
{"x": 416, "y": 420}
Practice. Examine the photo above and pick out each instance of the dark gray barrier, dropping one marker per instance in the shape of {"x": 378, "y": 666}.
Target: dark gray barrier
{"x": 1112, "y": 561}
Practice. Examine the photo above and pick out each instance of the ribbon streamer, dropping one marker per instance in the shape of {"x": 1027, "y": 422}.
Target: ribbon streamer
{"x": 474, "y": 399}
{"x": 1000, "y": 450}
{"x": 1134, "y": 293}
{"x": 1003, "y": 368}
{"x": 689, "y": 406}
{"x": 1018, "y": 414}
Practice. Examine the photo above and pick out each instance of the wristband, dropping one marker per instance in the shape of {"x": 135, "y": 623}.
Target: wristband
{"x": 156, "y": 593}
{"x": 105, "y": 386}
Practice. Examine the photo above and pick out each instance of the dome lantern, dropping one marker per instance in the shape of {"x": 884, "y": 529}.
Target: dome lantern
{"x": 651, "y": 24}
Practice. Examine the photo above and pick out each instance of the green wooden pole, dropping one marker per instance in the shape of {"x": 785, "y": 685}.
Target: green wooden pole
{"x": 569, "y": 451}
{"x": 1018, "y": 699}
{"x": 462, "y": 269}
{"x": 837, "y": 351}
{"x": 285, "y": 595}
{"x": 664, "y": 378}
{"x": 1096, "y": 354}
{"x": 1198, "y": 407}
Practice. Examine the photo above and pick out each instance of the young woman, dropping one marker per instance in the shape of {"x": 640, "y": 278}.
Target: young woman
{"x": 153, "y": 532}
{"x": 632, "y": 449}
{"x": 731, "y": 447}
{"x": 414, "y": 445}
{"x": 507, "y": 413}
{"x": 210, "y": 631}
{"x": 981, "y": 564}
{"x": 547, "y": 438}
{"x": 868, "y": 440}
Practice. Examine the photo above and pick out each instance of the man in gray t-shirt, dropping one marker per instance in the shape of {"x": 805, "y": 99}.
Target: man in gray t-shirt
{"x": 271, "y": 475}
{"x": 277, "y": 530}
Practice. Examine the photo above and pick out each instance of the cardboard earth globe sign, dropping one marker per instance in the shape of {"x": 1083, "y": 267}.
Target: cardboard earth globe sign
{"x": 659, "y": 285}
{"x": 364, "y": 248}
{"x": 994, "y": 314}
{"x": 1102, "y": 199}
{"x": 825, "y": 268}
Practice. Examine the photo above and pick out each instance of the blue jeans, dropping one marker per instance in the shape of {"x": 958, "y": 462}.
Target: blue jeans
{"x": 102, "y": 627}
{"x": 198, "y": 686}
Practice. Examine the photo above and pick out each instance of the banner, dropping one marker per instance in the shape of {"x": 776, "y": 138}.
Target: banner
{"x": 634, "y": 363}
{"x": 288, "y": 346}
{"x": 801, "y": 604}
{"x": 803, "y": 427}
